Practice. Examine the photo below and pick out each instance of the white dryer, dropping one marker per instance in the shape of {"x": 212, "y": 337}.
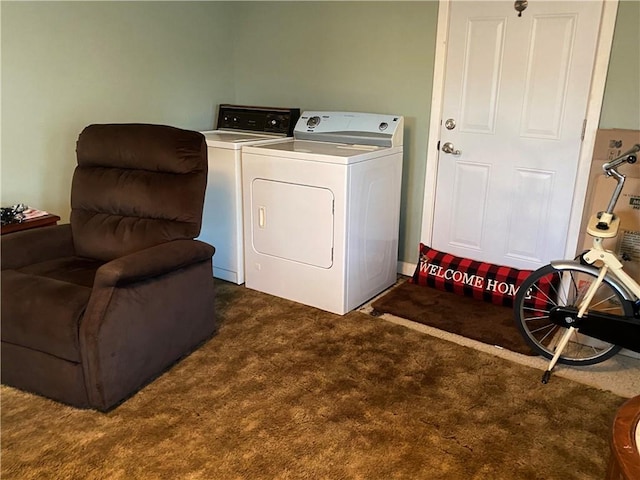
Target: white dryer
{"x": 222, "y": 224}
{"x": 321, "y": 210}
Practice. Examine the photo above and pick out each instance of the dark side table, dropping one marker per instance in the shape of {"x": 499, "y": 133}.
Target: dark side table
{"x": 43, "y": 221}
{"x": 624, "y": 463}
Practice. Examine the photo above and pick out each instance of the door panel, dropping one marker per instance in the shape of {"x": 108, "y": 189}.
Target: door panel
{"x": 466, "y": 227}
{"x": 525, "y": 239}
{"x": 547, "y": 75}
{"x": 481, "y": 77}
{"x": 293, "y": 222}
{"x": 517, "y": 89}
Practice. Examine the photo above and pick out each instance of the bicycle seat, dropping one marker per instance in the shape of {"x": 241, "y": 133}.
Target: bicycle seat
{"x": 595, "y": 227}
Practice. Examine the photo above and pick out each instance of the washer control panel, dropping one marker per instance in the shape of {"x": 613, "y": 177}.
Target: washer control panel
{"x": 351, "y": 127}
{"x": 313, "y": 122}
{"x": 257, "y": 119}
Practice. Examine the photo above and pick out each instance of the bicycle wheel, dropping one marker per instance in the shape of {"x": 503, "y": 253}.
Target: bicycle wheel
{"x": 549, "y": 287}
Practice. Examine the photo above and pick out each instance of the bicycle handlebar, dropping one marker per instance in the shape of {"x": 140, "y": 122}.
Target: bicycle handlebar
{"x": 610, "y": 170}
{"x": 627, "y": 156}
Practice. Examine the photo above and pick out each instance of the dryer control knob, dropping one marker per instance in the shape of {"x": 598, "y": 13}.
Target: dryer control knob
{"x": 383, "y": 126}
{"x": 313, "y": 121}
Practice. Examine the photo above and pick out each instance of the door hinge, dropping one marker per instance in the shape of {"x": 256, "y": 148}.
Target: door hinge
{"x": 584, "y": 128}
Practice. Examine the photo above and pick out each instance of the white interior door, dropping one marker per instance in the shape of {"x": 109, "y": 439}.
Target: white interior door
{"x": 516, "y": 89}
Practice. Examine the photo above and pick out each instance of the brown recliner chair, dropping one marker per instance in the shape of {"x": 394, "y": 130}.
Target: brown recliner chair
{"x": 95, "y": 309}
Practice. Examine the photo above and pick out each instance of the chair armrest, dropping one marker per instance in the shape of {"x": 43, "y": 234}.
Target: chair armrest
{"x": 146, "y": 310}
{"x": 27, "y": 247}
{"x": 152, "y": 262}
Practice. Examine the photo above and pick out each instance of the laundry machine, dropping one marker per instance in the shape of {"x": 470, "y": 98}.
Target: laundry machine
{"x": 321, "y": 210}
{"x": 222, "y": 224}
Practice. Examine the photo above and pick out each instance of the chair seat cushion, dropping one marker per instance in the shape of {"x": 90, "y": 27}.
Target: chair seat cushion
{"x": 42, "y": 305}
{"x": 75, "y": 270}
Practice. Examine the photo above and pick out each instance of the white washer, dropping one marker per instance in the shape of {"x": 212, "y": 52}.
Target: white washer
{"x": 321, "y": 211}
{"x": 222, "y": 224}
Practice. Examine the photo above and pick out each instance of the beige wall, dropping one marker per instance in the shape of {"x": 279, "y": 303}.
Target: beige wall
{"x": 621, "y": 108}
{"x": 373, "y": 57}
{"x": 68, "y": 64}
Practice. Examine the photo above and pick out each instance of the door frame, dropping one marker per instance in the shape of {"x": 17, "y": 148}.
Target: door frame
{"x": 594, "y": 106}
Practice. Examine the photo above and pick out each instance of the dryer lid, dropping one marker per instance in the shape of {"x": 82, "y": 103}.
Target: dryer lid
{"x": 351, "y": 127}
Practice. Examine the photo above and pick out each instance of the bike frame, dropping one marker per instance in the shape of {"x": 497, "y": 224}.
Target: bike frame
{"x": 601, "y": 226}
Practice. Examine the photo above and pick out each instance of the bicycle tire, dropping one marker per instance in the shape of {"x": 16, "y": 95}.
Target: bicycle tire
{"x": 550, "y": 286}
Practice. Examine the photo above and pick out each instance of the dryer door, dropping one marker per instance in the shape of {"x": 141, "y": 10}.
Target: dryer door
{"x": 292, "y": 221}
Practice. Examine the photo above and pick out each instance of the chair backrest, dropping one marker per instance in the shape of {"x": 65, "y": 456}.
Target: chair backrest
{"x": 136, "y": 186}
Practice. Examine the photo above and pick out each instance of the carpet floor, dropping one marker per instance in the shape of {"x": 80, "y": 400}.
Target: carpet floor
{"x": 285, "y": 391}
{"x": 471, "y": 318}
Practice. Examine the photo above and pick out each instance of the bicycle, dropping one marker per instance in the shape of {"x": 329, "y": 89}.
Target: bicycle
{"x": 583, "y": 311}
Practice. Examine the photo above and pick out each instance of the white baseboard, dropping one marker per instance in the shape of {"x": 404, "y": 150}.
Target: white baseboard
{"x": 629, "y": 353}
{"x": 405, "y": 268}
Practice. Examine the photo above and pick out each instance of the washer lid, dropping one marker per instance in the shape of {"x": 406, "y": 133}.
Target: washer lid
{"x": 351, "y": 127}
{"x": 235, "y": 140}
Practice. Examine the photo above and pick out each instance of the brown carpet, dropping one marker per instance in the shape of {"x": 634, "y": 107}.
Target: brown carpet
{"x": 465, "y": 316}
{"x": 285, "y": 391}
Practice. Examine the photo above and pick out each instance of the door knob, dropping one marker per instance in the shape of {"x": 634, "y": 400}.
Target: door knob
{"x": 449, "y": 148}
